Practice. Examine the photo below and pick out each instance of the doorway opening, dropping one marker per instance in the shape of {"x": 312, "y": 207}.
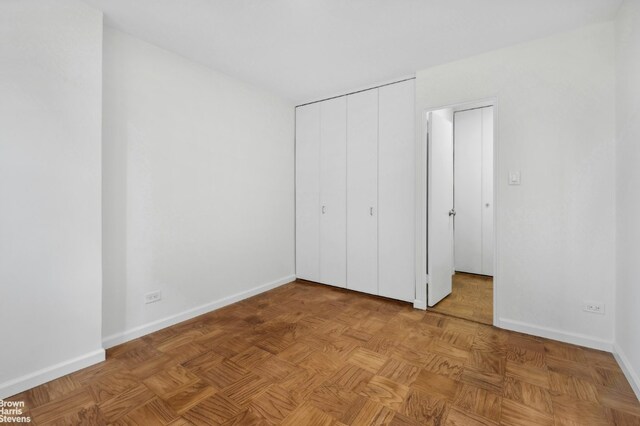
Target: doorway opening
{"x": 460, "y": 211}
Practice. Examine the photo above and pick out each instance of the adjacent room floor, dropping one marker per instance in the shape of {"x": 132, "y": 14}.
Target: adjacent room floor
{"x": 471, "y": 298}
{"x": 306, "y": 354}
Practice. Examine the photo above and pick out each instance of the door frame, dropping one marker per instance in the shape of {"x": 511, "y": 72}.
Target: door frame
{"x": 422, "y": 197}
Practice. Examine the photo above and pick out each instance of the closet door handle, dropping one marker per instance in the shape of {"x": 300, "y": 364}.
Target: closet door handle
{"x": 371, "y": 211}
{"x": 324, "y": 209}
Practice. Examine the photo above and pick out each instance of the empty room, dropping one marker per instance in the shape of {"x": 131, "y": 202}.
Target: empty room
{"x": 320, "y": 212}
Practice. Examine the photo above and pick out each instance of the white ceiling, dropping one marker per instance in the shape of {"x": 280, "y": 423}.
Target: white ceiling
{"x": 309, "y": 49}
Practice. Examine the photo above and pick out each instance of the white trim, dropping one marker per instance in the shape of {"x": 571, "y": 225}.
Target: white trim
{"x": 422, "y": 194}
{"x": 420, "y": 304}
{"x": 28, "y": 381}
{"x": 496, "y": 206}
{"x": 371, "y": 86}
{"x": 420, "y": 205}
{"x": 555, "y": 334}
{"x": 134, "y": 333}
{"x": 627, "y": 369}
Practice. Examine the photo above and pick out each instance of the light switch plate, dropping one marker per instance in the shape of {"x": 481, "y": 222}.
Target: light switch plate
{"x": 514, "y": 178}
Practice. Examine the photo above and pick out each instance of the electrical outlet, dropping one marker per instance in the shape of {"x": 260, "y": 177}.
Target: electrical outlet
{"x": 152, "y": 297}
{"x": 514, "y": 178}
{"x": 596, "y": 308}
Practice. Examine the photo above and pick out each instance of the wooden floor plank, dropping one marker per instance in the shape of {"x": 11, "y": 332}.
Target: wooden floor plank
{"x": 479, "y": 401}
{"x": 121, "y": 404}
{"x": 471, "y": 298}
{"x": 307, "y": 354}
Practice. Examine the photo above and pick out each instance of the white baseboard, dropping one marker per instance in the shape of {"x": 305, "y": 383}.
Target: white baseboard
{"x": 134, "y": 333}
{"x": 554, "y": 334}
{"x": 52, "y": 372}
{"x": 627, "y": 369}
{"x": 420, "y": 304}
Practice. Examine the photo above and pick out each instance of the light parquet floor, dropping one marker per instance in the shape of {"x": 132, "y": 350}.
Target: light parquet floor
{"x": 307, "y": 354}
{"x": 471, "y": 298}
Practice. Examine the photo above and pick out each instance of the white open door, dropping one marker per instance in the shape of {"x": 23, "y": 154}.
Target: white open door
{"x": 440, "y": 206}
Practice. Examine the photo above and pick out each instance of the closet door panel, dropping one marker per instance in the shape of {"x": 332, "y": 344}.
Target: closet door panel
{"x": 308, "y": 192}
{"x": 333, "y": 144}
{"x": 362, "y": 189}
{"x": 468, "y": 191}
{"x": 487, "y": 191}
{"x": 396, "y": 191}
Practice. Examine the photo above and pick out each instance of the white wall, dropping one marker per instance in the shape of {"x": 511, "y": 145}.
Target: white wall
{"x": 50, "y": 240}
{"x": 198, "y": 188}
{"x": 555, "y": 123}
{"x": 627, "y": 185}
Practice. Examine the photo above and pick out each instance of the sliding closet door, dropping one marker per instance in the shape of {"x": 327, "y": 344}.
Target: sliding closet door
{"x": 396, "y": 191}
{"x": 362, "y": 191}
{"x": 308, "y": 192}
{"x": 333, "y": 170}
